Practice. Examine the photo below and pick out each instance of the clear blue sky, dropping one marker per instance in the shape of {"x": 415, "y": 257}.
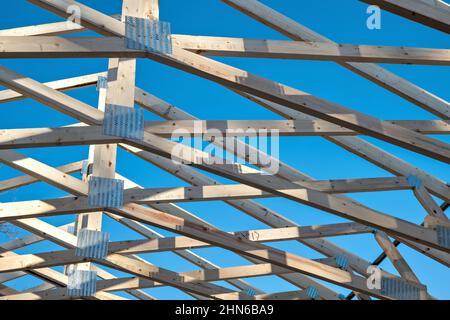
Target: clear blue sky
{"x": 343, "y": 22}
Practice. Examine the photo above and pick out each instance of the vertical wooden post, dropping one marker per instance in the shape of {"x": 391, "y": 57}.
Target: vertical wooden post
{"x": 120, "y": 89}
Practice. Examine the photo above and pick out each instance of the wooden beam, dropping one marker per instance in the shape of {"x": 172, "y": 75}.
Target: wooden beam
{"x": 395, "y": 257}
{"x": 48, "y": 96}
{"x": 60, "y": 85}
{"x": 428, "y": 203}
{"x": 25, "y": 180}
{"x": 70, "y": 47}
{"x": 113, "y": 47}
{"x": 279, "y": 49}
{"x": 102, "y": 158}
{"x": 207, "y": 130}
{"x": 181, "y": 194}
{"x": 48, "y": 29}
{"x": 80, "y": 134}
{"x": 30, "y": 166}
{"x": 263, "y": 235}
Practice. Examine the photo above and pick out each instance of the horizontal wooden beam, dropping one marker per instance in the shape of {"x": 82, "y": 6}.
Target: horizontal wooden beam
{"x": 36, "y": 208}
{"x": 110, "y": 47}
{"x": 80, "y": 134}
{"x": 70, "y": 47}
{"x": 278, "y": 49}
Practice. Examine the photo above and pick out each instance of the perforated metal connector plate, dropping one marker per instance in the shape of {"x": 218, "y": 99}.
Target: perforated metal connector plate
{"x": 398, "y": 289}
{"x": 92, "y": 244}
{"x": 105, "y": 192}
{"x": 102, "y": 83}
{"x": 443, "y": 234}
{"x": 250, "y": 292}
{"x": 85, "y": 168}
{"x": 312, "y": 292}
{"x": 124, "y": 122}
{"x": 148, "y": 35}
{"x": 342, "y": 262}
{"x": 81, "y": 283}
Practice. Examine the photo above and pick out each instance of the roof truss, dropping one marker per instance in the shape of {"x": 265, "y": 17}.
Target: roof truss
{"x": 305, "y": 115}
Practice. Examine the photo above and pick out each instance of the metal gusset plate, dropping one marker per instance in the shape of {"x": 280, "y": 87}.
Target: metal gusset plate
{"x": 342, "y": 262}
{"x": 102, "y": 83}
{"x": 148, "y": 35}
{"x": 398, "y": 289}
{"x": 105, "y": 192}
{"x": 92, "y": 244}
{"x": 443, "y": 234}
{"x": 124, "y": 122}
{"x": 250, "y": 292}
{"x": 81, "y": 283}
{"x": 312, "y": 293}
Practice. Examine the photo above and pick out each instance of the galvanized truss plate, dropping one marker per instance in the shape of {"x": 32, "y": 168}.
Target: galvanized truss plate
{"x": 312, "y": 292}
{"x": 443, "y": 234}
{"x": 92, "y": 244}
{"x": 102, "y": 83}
{"x": 71, "y": 229}
{"x": 85, "y": 168}
{"x": 342, "y": 262}
{"x": 105, "y": 192}
{"x": 399, "y": 289}
{"x": 124, "y": 122}
{"x": 250, "y": 292}
{"x": 148, "y": 35}
{"x": 81, "y": 283}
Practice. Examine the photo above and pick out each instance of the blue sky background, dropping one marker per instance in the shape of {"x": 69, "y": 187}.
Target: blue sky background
{"x": 341, "y": 21}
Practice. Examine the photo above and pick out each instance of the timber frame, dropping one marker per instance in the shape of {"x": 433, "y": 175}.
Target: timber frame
{"x": 144, "y": 208}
